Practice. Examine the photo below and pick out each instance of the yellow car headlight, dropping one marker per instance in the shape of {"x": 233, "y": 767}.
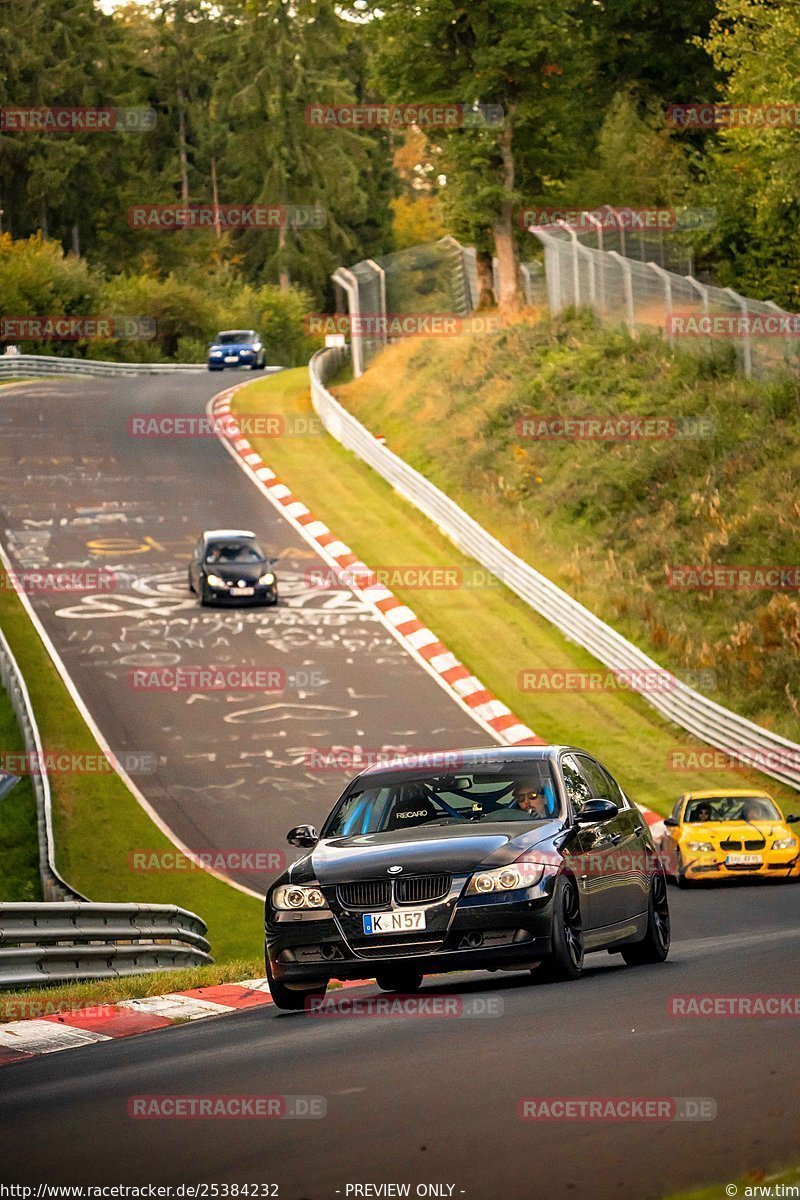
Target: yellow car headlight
{"x": 787, "y": 843}
{"x": 700, "y": 847}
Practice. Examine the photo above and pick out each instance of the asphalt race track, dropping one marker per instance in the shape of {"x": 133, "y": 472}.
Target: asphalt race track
{"x": 433, "y": 1100}
{"x": 233, "y": 772}
{"x": 409, "y": 1100}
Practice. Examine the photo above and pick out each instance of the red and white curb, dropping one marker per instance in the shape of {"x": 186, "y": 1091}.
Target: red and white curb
{"x": 20, "y": 1040}
{"x": 420, "y": 641}
{"x": 87, "y": 1025}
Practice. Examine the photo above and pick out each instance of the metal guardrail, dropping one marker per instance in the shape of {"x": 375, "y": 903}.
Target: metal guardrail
{"x": 693, "y": 712}
{"x": 68, "y": 938}
{"x": 54, "y": 886}
{"x": 52, "y": 943}
{"x": 43, "y": 364}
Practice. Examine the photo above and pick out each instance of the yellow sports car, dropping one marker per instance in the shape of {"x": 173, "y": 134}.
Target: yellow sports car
{"x": 721, "y": 835}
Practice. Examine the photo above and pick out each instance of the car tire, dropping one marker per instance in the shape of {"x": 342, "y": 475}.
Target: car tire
{"x": 400, "y": 979}
{"x": 215, "y": 368}
{"x": 204, "y": 600}
{"x": 191, "y": 585}
{"x": 654, "y": 946}
{"x": 293, "y": 999}
{"x": 565, "y": 960}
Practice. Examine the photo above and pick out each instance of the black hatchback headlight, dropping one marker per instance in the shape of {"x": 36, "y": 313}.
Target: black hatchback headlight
{"x": 512, "y": 878}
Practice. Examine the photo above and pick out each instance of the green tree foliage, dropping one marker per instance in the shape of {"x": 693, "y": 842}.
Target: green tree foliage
{"x": 753, "y": 173}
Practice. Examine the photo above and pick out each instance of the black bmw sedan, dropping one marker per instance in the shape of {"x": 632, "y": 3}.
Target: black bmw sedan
{"x": 228, "y": 566}
{"x": 516, "y": 859}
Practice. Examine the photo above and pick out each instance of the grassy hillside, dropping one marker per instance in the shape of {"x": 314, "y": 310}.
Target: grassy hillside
{"x": 488, "y": 628}
{"x": 606, "y": 519}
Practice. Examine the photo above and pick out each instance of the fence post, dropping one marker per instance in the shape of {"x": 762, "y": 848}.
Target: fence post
{"x": 773, "y": 307}
{"x": 628, "y": 282}
{"x": 667, "y": 281}
{"x": 349, "y": 284}
{"x": 747, "y": 349}
{"x": 576, "y": 275}
{"x": 370, "y": 262}
{"x": 599, "y": 227}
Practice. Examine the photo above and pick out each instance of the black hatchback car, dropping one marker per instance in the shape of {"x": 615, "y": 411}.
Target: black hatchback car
{"x": 228, "y": 566}
{"x": 507, "y": 858}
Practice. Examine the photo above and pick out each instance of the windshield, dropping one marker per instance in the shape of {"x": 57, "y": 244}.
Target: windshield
{"x": 403, "y": 803}
{"x": 235, "y": 337}
{"x": 732, "y": 808}
{"x": 234, "y": 553}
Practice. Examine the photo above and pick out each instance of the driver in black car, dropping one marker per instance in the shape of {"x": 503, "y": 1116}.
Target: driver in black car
{"x": 530, "y": 799}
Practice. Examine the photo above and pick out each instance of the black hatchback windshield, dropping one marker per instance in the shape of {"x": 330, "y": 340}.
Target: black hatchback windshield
{"x": 234, "y": 553}
{"x": 401, "y": 803}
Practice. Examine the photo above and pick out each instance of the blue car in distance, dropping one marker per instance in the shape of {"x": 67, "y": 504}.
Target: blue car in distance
{"x": 236, "y": 348}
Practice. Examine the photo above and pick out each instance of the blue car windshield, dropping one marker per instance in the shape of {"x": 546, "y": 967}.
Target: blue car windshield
{"x": 236, "y": 337}
{"x": 528, "y": 794}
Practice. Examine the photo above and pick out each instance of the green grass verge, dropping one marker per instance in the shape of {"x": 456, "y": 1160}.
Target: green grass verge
{"x": 19, "y": 842}
{"x": 39, "y": 1002}
{"x": 752, "y": 1185}
{"x": 98, "y": 822}
{"x": 489, "y": 628}
{"x": 605, "y": 520}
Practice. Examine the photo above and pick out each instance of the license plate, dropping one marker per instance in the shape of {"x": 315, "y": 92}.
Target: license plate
{"x": 393, "y": 922}
{"x": 231, "y": 358}
{"x": 744, "y": 860}
{"x": 243, "y": 591}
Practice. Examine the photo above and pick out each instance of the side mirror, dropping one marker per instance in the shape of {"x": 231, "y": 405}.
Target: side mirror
{"x": 595, "y": 811}
{"x": 671, "y": 823}
{"x": 792, "y": 817}
{"x": 303, "y": 836}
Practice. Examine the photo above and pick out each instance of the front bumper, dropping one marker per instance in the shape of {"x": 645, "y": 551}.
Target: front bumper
{"x": 775, "y": 865}
{"x": 473, "y": 933}
{"x": 265, "y": 594}
{"x": 242, "y": 360}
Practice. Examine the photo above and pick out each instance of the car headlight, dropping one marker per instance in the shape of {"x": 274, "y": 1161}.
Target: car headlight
{"x": 785, "y": 844}
{"x": 505, "y": 879}
{"x": 268, "y": 578}
{"x": 705, "y": 847}
{"x": 215, "y": 581}
{"x": 292, "y": 896}
{"x": 216, "y": 354}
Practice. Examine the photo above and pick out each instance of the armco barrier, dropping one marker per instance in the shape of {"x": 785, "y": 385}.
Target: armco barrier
{"x": 26, "y": 365}
{"x": 699, "y": 716}
{"x": 53, "y": 886}
{"x": 43, "y": 944}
